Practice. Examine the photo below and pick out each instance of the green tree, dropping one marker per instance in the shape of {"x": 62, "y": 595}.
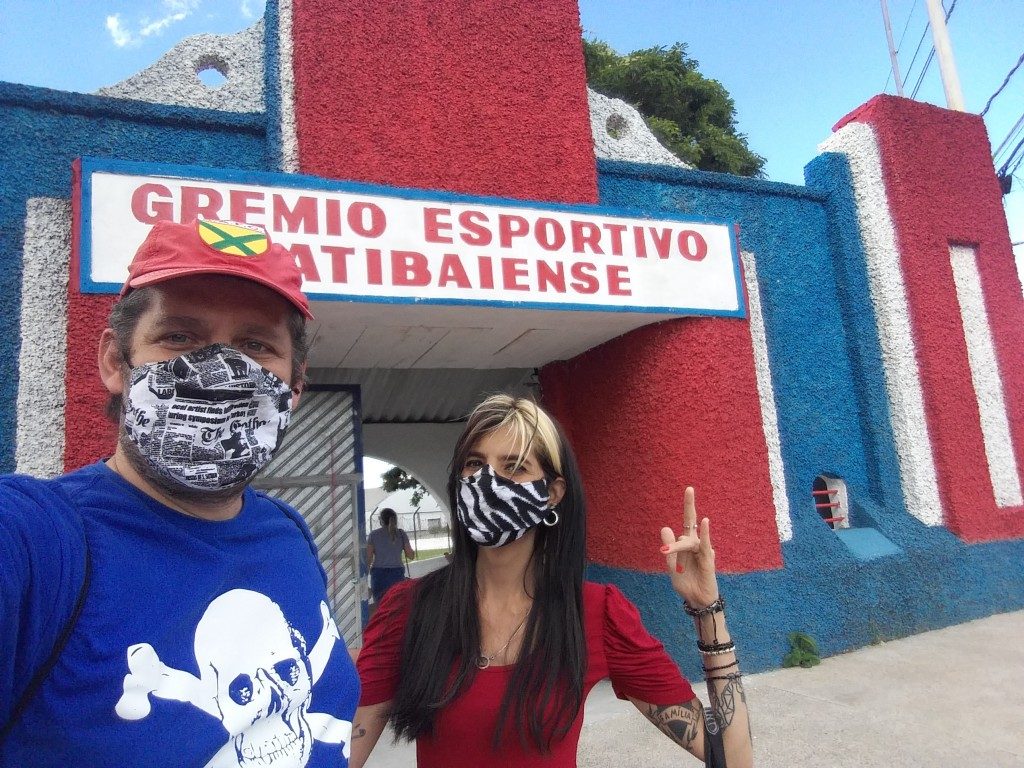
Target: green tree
{"x": 397, "y": 479}
{"x": 693, "y": 116}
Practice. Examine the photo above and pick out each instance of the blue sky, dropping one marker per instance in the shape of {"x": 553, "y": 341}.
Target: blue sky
{"x": 793, "y": 67}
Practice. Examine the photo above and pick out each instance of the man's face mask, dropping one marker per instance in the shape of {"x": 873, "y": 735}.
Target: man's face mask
{"x": 496, "y": 511}
{"x": 207, "y": 420}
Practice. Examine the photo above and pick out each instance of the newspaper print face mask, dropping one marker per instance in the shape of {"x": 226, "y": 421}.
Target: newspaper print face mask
{"x": 207, "y": 420}
{"x": 496, "y": 511}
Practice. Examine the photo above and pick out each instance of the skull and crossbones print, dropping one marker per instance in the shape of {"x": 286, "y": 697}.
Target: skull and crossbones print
{"x": 256, "y": 677}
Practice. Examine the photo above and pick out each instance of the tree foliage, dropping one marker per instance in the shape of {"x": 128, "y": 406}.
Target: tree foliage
{"x": 693, "y": 116}
{"x": 397, "y": 479}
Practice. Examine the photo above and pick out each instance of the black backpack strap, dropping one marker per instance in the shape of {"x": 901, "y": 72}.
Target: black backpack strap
{"x": 43, "y": 672}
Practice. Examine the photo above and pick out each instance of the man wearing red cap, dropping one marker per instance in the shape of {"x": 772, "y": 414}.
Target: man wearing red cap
{"x": 157, "y": 611}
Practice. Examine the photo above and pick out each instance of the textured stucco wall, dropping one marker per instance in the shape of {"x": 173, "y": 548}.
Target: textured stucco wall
{"x": 487, "y": 97}
{"x": 42, "y": 132}
{"x": 942, "y": 192}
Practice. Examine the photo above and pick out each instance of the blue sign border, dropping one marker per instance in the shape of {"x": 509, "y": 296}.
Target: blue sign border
{"x": 92, "y": 165}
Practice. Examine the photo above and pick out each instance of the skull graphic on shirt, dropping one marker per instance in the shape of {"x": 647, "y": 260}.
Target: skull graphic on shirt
{"x": 256, "y": 677}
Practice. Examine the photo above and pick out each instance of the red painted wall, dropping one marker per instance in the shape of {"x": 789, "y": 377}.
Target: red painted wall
{"x": 487, "y": 97}
{"x": 660, "y": 408}
{"x": 943, "y": 190}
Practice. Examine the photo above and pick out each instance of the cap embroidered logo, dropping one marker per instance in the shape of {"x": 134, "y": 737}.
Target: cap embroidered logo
{"x": 232, "y": 238}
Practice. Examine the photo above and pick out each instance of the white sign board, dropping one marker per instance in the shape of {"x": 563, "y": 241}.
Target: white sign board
{"x": 357, "y": 242}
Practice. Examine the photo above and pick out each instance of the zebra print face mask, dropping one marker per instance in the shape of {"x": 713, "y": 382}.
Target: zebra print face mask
{"x": 497, "y": 511}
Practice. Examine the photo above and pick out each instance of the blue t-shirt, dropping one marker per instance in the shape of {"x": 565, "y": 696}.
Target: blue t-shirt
{"x": 199, "y": 643}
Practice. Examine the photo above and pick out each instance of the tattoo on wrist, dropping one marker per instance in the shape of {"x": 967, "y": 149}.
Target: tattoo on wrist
{"x": 680, "y": 722}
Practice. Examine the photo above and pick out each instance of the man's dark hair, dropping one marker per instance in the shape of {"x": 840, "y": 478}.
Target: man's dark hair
{"x": 124, "y": 319}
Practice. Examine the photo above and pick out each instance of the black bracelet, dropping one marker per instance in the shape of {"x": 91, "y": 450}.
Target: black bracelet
{"x": 716, "y": 607}
{"x": 723, "y": 666}
{"x": 715, "y": 648}
{"x": 730, "y": 676}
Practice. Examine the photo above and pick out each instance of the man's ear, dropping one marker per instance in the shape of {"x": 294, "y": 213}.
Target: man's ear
{"x": 111, "y": 363}
{"x": 556, "y": 491}
{"x": 298, "y": 387}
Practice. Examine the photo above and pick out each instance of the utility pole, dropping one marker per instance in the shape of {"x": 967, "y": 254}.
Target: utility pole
{"x": 892, "y": 49}
{"x": 944, "y": 53}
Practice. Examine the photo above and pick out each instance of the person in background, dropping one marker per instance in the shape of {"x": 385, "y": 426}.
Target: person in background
{"x": 488, "y": 661}
{"x": 384, "y": 551}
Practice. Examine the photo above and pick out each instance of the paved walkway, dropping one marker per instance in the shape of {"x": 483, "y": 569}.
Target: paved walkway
{"x": 953, "y": 698}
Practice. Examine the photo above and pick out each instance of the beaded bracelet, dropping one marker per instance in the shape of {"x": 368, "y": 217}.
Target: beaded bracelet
{"x": 716, "y": 607}
{"x": 715, "y": 649}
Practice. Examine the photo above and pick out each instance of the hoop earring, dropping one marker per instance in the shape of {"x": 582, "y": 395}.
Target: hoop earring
{"x": 548, "y": 521}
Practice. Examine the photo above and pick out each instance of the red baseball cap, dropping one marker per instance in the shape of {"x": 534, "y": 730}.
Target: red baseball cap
{"x": 203, "y": 247}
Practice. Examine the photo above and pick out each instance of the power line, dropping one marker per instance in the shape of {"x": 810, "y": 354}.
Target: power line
{"x": 931, "y": 54}
{"x": 1000, "y": 88}
{"x": 917, "y": 50}
{"x": 899, "y": 45}
{"x": 1009, "y": 137}
{"x": 1004, "y": 169}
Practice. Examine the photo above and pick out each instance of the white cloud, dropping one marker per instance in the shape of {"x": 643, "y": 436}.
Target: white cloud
{"x": 174, "y": 11}
{"x": 118, "y": 33}
{"x": 246, "y": 9}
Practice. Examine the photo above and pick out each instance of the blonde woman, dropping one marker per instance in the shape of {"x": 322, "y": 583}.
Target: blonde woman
{"x": 489, "y": 660}
{"x": 384, "y": 549}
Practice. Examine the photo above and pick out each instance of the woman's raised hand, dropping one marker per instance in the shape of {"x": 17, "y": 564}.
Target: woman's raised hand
{"x": 690, "y": 558}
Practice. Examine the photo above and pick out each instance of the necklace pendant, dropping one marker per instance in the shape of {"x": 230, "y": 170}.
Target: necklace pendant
{"x": 482, "y": 662}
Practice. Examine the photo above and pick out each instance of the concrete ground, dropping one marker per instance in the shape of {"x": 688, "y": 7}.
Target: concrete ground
{"x": 952, "y": 698}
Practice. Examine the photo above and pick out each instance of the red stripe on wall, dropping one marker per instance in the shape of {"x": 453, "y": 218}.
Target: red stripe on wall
{"x": 658, "y": 409}
{"x": 487, "y": 97}
{"x": 943, "y": 190}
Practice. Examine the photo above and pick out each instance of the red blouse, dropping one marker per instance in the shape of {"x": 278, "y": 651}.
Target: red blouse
{"x": 618, "y": 647}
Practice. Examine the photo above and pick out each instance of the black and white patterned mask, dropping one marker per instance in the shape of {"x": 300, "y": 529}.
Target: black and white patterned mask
{"x": 207, "y": 420}
{"x": 497, "y": 511}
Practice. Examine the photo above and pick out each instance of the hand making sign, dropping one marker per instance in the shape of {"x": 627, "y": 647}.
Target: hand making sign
{"x": 364, "y": 243}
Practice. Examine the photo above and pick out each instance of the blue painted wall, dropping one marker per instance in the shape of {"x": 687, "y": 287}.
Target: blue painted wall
{"x": 42, "y": 131}
{"x": 833, "y": 418}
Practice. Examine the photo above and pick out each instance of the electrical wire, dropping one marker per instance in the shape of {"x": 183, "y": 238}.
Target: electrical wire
{"x": 1004, "y": 169}
{"x": 1009, "y": 137}
{"x": 899, "y": 45}
{"x": 931, "y": 54}
{"x": 1000, "y": 88}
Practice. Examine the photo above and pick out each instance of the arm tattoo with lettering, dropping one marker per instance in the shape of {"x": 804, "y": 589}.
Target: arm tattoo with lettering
{"x": 680, "y": 722}
{"x": 723, "y": 702}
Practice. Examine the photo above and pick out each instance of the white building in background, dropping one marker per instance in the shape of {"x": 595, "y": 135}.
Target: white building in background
{"x": 428, "y": 517}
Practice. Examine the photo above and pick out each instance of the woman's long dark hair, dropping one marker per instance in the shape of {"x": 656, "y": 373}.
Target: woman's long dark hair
{"x": 442, "y": 637}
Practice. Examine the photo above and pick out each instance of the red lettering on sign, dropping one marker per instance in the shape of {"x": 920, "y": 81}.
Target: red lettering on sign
{"x": 432, "y": 227}
{"x": 618, "y": 280}
{"x": 452, "y": 271}
{"x": 333, "y": 215}
{"x": 585, "y": 281}
{"x": 512, "y": 271}
{"x": 692, "y": 245}
{"x": 549, "y": 276}
{"x": 307, "y": 266}
{"x": 301, "y": 216}
{"x": 240, "y": 205}
{"x": 616, "y": 230}
{"x": 409, "y": 268}
{"x": 367, "y": 219}
{"x": 586, "y": 233}
{"x": 511, "y": 226}
{"x": 639, "y": 243}
{"x": 374, "y": 272}
{"x": 476, "y": 233}
{"x": 662, "y": 241}
{"x": 550, "y": 234}
{"x": 149, "y": 211}
{"x": 339, "y": 261}
{"x": 200, "y": 201}
{"x": 486, "y": 271}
